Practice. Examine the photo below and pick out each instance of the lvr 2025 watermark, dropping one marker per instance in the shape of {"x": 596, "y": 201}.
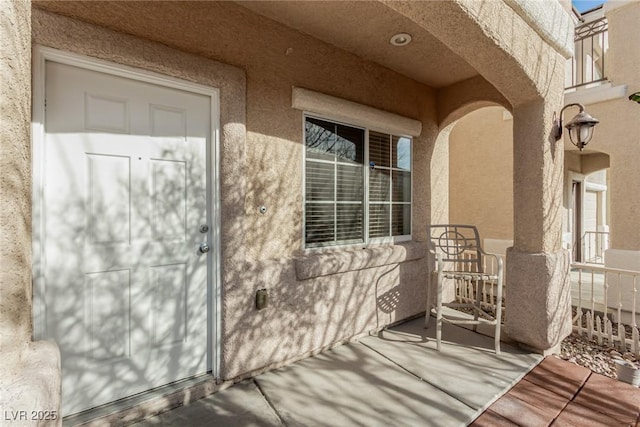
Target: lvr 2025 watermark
{"x": 21, "y": 415}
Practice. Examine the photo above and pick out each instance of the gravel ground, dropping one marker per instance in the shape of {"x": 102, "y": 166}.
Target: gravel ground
{"x": 599, "y": 358}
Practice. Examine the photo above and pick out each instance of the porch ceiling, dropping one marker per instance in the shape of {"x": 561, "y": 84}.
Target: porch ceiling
{"x": 364, "y": 28}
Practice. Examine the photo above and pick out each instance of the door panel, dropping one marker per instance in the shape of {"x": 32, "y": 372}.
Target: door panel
{"x": 107, "y": 321}
{"x": 169, "y": 209}
{"x": 109, "y": 193}
{"x": 125, "y": 191}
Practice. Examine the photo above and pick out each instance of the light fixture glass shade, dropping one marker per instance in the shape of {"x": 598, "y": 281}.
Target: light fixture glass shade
{"x": 586, "y": 132}
{"x": 581, "y": 129}
{"x": 581, "y": 135}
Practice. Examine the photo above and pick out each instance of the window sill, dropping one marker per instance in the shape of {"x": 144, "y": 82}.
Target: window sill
{"x": 325, "y": 264}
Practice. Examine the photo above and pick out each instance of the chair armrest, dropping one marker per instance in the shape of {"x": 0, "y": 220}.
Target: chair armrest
{"x": 439, "y": 263}
{"x": 439, "y": 260}
{"x": 499, "y": 262}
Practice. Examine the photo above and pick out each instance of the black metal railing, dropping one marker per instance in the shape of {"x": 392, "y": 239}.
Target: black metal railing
{"x": 591, "y": 45}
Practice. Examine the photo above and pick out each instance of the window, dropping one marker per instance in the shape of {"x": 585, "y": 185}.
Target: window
{"x": 357, "y": 184}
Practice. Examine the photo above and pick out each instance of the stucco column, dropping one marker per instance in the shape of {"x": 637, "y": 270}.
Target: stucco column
{"x": 29, "y": 372}
{"x": 538, "y": 305}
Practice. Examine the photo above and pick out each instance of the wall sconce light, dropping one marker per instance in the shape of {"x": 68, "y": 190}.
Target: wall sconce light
{"x": 635, "y": 97}
{"x": 580, "y": 127}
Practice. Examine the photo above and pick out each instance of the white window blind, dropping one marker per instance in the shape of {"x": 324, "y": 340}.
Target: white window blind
{"x": 334, "y": 183}
{"x": 389, "y": 185}
{"x": 339, "y": 209}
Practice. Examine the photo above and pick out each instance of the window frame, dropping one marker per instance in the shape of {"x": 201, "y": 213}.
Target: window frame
{"x": 367, "y": 241}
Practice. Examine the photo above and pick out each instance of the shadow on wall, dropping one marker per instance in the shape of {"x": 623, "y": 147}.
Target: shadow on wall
{"x": 308, "y": 315}
{"x": 304, "y": 314}
{"x": 122, "y": 326}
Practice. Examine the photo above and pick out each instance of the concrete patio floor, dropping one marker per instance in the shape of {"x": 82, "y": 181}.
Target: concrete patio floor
{"x": 394, "y": 378}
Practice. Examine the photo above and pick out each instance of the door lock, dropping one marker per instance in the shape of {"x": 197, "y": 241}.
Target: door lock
{"x": 204, "y": 228}
{"x": 204, "y": 248}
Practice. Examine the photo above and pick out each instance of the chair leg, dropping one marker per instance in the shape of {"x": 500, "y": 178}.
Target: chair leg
{"x": 439, "y": 312}
{"x": 476, "y": 288}
{"x": 427, "y": 315}
{"x": 498, "y": 313}
{"x": 439, "y": 334}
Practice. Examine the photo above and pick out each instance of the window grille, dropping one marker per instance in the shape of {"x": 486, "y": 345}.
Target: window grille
{"x": 357, "y": 184}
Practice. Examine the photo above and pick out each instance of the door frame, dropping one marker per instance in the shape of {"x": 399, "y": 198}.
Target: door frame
{"x": 575, "y": 183}
{"x": 41, "y": 55}
{"x": 578, "y": 219}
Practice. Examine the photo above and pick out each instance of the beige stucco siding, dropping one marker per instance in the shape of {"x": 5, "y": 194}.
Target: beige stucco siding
{"x": 618, "y": 134}
{"x": 480, "y": 167}
{"x": 615, "y": 145}
{"x": 15, "y": 180}
{"x": 274, "y": 58}
{"x": 29, "y": 371}
{"x": 263, "y": 166}
{"x": 511, "y": 53}
{"x": 623, "y": 38}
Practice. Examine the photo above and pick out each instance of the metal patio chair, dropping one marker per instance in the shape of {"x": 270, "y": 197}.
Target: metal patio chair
{"x": 459, "y": 257}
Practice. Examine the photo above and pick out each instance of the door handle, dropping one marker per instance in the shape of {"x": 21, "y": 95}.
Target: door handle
{"x": 204, "y": 248}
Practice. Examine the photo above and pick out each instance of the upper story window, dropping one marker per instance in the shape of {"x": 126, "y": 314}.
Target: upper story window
{"x": 357, "y": 184}
{"x": 588, "y": 62}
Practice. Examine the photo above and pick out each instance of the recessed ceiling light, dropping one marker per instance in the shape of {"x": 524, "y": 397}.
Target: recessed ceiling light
{"x": 400, "y": 39}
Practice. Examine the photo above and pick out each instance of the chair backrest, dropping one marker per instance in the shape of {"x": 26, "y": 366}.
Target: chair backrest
{"x": 458, "y": 243}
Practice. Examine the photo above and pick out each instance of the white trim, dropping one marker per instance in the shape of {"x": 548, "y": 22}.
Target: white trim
{"x": 366, "y": 175}
{"x": 215, "y": 218}
{"x": 42, "y": 54}
{"x": 582, "y": 179}
{"x": 592, "y": 15}
{"x": 593, "y": 95}
{"x": 102, "y": 66}
{"x": 352, "y": 113}
{"x": 303, "y": 137}
{"x": 592, "y": 186}
{"x": 37, "y": 203}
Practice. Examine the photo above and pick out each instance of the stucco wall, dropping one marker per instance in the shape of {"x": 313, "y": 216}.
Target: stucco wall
{"x": 15, "y": 179}
{"x": 260, "y": 251}
{"x": 618, "y": 133}
{"x": 480, "y": 169}
{"x": 495, "y": 39}
{"x": 616, "y": 144}
{"x": 29, "y": 371}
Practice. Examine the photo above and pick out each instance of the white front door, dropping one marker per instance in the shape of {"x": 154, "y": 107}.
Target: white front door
{"x": 124, "y": 205}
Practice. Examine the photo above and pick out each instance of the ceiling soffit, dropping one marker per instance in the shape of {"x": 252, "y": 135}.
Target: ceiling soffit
{"x": 364, "y": 29}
